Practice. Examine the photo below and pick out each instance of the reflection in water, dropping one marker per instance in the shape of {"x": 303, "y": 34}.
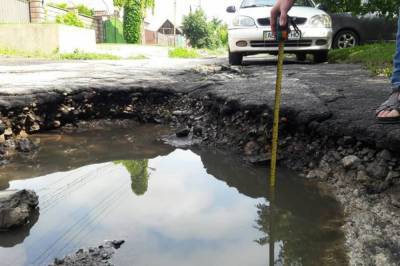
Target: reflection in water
{"x": 18, "y": 235}
{"x": 297, "y": 238}
{"x": 299, "y": 224}
{"x": 198, "y": 208}
{"x": 138, "y": 169}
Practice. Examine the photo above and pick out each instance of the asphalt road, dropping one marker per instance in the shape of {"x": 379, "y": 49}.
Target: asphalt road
{"x": 338, "y": 99}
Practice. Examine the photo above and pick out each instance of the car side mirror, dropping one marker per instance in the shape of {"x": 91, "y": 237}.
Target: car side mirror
{"x": 322, "y": 7}
{"x": 231, "y": 9}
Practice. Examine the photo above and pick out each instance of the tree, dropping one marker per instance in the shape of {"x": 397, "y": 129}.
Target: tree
{"x": 203, "y": 34}
{"x": 134, "y": 13}
{"x": 132, "y": 22}
{"x": 385, "y": 8}
{"x": 139, "y": 174}
{"x": 196, "y": 29}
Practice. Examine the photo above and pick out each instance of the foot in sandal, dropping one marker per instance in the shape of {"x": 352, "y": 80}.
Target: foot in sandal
{"x": 389, "y": 111}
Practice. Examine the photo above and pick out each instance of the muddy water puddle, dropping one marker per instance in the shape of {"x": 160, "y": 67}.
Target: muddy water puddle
{"x": 172, "y": 206}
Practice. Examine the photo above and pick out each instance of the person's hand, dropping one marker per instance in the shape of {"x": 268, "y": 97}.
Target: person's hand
{"x": 281, "y": 8}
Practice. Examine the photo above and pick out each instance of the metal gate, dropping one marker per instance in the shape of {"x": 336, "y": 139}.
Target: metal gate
{"x": 14, "y": 11}
{"x": 113, "y": 31}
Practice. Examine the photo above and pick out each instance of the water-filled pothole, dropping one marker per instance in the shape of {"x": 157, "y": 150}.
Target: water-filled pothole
{"x": 172, "y": 206}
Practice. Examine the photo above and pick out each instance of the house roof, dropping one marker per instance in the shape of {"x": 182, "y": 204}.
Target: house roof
{"x": 156, "y": 23}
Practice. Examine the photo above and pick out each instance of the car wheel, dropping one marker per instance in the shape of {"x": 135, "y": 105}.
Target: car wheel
{"x": 345, "y": 39}
{"x": 301, "y": 57}
{"x": 320, "y": 57}
{"x": 235, "y": 58}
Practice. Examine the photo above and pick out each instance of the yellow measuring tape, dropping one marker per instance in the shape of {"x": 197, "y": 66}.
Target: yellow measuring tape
{"x": 274, "y": 154}
{"x": 275, "y": 128}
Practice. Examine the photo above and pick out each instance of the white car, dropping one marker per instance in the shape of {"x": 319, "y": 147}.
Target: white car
{"x": 250, "y": 31}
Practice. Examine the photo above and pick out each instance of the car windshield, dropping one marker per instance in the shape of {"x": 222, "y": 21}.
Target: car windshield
{"x": 258, "y": 3}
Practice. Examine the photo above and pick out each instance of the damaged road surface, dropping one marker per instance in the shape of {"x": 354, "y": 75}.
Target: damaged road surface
{"x": 173, "y": 207}
{"x": 328, "y": 131}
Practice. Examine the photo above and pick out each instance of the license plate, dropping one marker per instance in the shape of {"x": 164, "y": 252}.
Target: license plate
{"x": 268, "y": 36}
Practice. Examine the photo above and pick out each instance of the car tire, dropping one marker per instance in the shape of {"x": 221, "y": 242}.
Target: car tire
{"x": 301, "y": 57}
{"x": 235, "y": 59}
{"x": 345, "y": 39}
{"x": 321, "y": 56}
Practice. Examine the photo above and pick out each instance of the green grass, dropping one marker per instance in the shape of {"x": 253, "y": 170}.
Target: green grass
{"x": 183, "y": 53}
{"x": 376, "y": 57}
{"x": 87, "y": 56}
{"x": 137, "y": 57}
{"x": 222, "y": 51}
{"x": 57, "y": 56}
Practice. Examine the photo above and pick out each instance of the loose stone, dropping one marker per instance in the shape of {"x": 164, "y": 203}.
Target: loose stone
{"x": 350, "y": 161}
{"x": 16, "y": 207}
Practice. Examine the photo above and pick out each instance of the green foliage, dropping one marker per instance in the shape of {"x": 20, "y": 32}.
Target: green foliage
{"x": 59, "y": 5}
{"x": 183, "y": 53}
{"x": 203, "y": 34}
{"x": 134, "y": 13}
{"x": 87, "y": 56}
{"x": 84, "y": 10}
{"x": 144, "y": 4}
{"x": 139, "y": 174}
{"x": 56, "y": 56}
{"x": 138, "y": 57}
{"x": 119, "y": 3}
{"x": 218, "y": 34}
{"x": 297, "y": 234}
{"x": 383, "y": 7}
{"x": 114, "y": 32}
{"x": 132, "y": 23}
{"x": 223, "y": 34}
{"x": 69, "y": 19}
{"x": 196, "y": 29}
{"x": 376, "y": 57}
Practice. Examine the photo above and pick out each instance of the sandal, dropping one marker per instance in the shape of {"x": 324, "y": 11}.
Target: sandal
{"x": 393, "y": 103}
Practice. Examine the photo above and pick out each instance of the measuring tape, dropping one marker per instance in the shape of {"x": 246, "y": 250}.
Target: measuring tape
{"x": 282, "y": 33}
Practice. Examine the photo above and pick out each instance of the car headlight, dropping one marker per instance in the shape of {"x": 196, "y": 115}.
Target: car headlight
{"x": 243, "y": 21}
{"x": 323, "y": 21}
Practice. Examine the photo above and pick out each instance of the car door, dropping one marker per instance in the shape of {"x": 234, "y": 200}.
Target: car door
{"x": 346, "y": 21}
{"x": 376, "y": 28}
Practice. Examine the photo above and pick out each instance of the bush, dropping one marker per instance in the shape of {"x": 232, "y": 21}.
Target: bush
{"x": 69, "y": 19}
{"x": 132, "y": 23}
{"x": 60, "y": 5}
{"x": 87, "y": 56}
{"x": 376, "y": 57}
{"x": 84, "y": 10}
{"x": 183, "y": 53}
{"x": 195, "y": 27}
{"x": 203, "y": 34}
{"x": 388, "y": 9}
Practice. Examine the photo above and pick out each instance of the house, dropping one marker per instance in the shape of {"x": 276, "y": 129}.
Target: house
{"x": 162, "y": 32}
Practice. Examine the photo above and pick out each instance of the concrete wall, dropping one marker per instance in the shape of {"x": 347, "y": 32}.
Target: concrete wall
{"x": 46, "y": 38}
{"x": 14, "y": 11}
{"x": 71, "y": 38}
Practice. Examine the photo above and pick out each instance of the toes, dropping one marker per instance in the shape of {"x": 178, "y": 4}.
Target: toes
{"x": 393, "y": 113}
{"x": 383, "y": 114}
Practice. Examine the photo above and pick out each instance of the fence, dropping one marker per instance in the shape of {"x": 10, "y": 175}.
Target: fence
{"x": 88, "y": 22}
{"x": 14, "y": 11}
{"x": 170, "y": 40}
{"x": 113, "y": 31}
{"x": 52, "y": 12}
